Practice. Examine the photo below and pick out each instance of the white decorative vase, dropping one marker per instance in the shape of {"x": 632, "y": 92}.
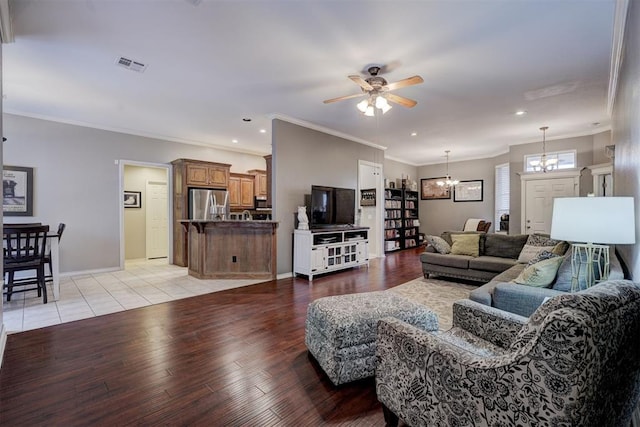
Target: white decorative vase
{"x": 303, "y": 220}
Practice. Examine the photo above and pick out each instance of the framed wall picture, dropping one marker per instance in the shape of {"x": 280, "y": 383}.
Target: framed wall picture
{"x": 468, "y": 191}
{"x": 17, "y": 189}
{"x": 132, "y": 199}
{"x": 430, "y": 190}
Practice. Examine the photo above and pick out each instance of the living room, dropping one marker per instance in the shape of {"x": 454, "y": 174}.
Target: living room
{"x": 78, "y": 177}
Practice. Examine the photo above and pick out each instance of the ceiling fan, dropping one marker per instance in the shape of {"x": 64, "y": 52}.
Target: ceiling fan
{"x": 377, "y": 89}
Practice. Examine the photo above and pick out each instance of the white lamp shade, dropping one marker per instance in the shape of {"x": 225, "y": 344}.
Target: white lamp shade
{"x": 607, "y": 220}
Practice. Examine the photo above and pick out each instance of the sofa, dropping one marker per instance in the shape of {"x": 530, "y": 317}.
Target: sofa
{"x": 501, "y": 261}
{"x": 573, "y": 362}
{"x": 495, "y": 254}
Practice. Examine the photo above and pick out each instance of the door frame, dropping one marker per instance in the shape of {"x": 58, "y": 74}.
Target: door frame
{"x": 379, "y": 222}
{"x": 122, "y": 163}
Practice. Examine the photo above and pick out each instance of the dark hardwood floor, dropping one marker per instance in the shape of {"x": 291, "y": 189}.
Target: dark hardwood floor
{"x": 232, "y": 358}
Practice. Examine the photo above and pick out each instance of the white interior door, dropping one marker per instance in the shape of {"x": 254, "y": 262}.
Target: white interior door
{"x": 539, "y": 195}
{"x": 157, "y": 222}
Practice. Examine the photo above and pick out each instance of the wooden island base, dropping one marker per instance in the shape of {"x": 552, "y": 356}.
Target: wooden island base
{"x": 232, "y": 249}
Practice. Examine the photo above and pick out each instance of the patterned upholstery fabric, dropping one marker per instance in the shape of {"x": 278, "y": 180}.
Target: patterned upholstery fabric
{"x": 340, "y": 331}
{"x": 573, "y": 363}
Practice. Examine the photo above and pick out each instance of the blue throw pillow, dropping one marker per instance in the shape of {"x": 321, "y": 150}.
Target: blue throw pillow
{"x": 565, "y": 274}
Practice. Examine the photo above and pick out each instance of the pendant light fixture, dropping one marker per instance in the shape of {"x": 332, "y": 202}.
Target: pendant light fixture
{"x": 448, "y": 182}
{"x": 544, "y": 164}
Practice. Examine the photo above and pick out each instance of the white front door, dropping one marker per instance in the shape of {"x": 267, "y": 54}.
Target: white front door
{"x": 538, "y": 201}
{"x": 157, "y": 221}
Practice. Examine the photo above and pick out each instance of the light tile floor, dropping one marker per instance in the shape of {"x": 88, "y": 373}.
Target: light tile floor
{"x": 141, "y": 283}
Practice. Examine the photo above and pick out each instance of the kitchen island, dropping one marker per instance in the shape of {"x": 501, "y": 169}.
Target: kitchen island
{"x": 231, "y": 249}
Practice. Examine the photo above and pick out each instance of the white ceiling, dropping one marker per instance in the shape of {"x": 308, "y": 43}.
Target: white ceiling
{"x": 212, "y": 63}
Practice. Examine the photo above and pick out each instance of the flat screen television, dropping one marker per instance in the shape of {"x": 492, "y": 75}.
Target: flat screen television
{"x": 332, "y": 207}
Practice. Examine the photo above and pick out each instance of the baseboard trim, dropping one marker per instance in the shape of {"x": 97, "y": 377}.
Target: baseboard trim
{"x": 3, "y": 342}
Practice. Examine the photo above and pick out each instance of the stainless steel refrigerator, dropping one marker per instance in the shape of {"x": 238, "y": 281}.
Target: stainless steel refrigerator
{"x": 207, "y": 204}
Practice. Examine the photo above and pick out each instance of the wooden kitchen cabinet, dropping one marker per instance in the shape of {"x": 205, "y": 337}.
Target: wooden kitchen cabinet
{"x": 241, "y": 191}
{"x": 192, "y": 173}
{"x": 206, "y": 174}
{"x": 260, "y": 182}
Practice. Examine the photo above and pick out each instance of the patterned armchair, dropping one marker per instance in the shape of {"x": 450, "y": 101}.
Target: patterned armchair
{"x": 574, "y": 362}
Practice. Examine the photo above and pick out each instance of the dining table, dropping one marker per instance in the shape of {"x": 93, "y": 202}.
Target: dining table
{"x": 52, "y": 249}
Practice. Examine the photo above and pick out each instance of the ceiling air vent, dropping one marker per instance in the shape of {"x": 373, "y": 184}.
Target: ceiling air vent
{"x": 130, "y": 64}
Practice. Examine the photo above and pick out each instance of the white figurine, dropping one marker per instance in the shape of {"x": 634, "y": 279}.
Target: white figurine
{"x": 303, "y": 220}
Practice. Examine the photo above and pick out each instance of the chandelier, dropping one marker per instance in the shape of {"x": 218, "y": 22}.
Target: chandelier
{"x": 368, "y": 106}
{"x": 447, "y": 182}
{"x": 544, "y": 164}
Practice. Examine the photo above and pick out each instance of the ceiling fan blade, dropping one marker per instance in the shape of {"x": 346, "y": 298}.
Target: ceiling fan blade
{"x": 361, "y": 82}
{"x": 405, "y": 102}
{"x": 405, "y": 82}
{"x": 340, "y": 98}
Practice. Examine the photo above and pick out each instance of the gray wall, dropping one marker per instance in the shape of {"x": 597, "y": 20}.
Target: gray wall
{"x": 76, "y": 180}
{"x": 584, "y": 146}
{"x": 303, "y": 157}
{"x": 439, "y": 215}
{"x": 626, "y": 131}
{"x": 394, "y": 170}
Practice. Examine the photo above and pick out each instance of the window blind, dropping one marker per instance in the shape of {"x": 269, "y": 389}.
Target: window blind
{"x": 501, "y": 193}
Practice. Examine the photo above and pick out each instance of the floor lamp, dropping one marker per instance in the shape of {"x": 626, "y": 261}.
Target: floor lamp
{"x": 598, "y": 222}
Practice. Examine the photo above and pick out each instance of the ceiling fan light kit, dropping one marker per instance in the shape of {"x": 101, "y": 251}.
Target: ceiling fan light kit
{"x": 377, "y": 90}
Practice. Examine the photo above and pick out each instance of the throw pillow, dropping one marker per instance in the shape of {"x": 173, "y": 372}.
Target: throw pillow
{"x": 565, "y": 274}
{"x": 561, "y": 248}
{"x": 537, "y": 239}
{"x": 439, "y": 244}
{"x": 541, "y": 257}
{"x": 529, "y": 252}
{"x": 465, "y": 244}
{"x": 540, "y": 274}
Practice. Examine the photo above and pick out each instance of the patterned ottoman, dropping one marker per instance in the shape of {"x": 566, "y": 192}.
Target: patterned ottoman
{"x": 340, "y": 331}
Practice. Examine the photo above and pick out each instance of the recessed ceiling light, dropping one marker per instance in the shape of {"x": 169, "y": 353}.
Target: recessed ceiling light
{"x": 263, "y": 131}
{"x": 414, "y": 133}
{"x": 520, "y": 113}
{"x": 235, "y": 141}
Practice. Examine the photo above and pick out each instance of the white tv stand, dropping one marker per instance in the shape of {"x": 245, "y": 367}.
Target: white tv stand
{"x": 324, "y": 250}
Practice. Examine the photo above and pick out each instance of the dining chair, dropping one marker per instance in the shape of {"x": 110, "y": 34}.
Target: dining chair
{"x": 24, "y": 250}
{"x": 47, "y": 256}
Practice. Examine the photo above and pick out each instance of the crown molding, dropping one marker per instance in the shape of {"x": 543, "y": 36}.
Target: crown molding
{"x": 323, "y": 129}
{"x": 619, "y": 22}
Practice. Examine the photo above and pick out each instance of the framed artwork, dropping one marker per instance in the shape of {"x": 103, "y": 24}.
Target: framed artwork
{"x": 132, "y": 199}
{"x": 430, "y": 190}
{"x": 17, "y": 190}
{"x": 468, "y": 191}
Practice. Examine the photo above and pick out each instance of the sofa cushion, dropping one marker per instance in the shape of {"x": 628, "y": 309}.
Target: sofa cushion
{"x": 504, "y": 245}
{"x": 530, "y": 252}
{"x": 541, "y": 256}
{"x": 446, "y": 235}
{"x": 439, "y": 244}
{"x": 510, "y": 274}
{"x": 536, "y": 243}
{"x": 540, "y": 274}
{"x": 465, "y": 244}
{"x": 491, "y": 263}
{"x": 449, "y": 260}
{"x": 565, "y": 275}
